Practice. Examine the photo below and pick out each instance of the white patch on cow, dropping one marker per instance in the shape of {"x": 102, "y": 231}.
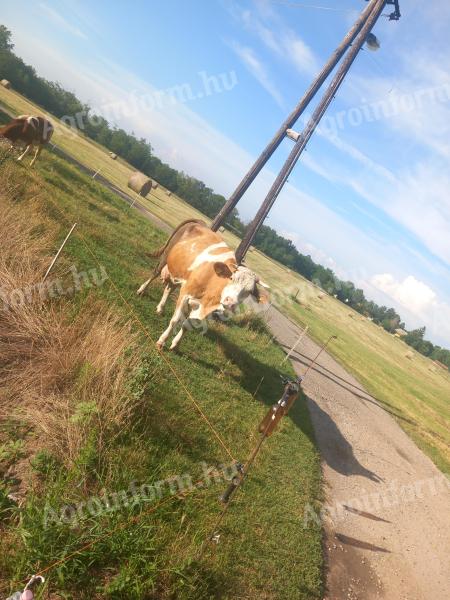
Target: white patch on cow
{"x": 243, "y": 282}
{"x": 207, "y": 257}
{"x": 196, "y": 313}
{"x": 30, "y": 120}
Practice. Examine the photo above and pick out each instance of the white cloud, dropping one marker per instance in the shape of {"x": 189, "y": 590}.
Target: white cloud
{"x": 259, "y": 71}
{"x": 61, "y": 21}
{"x": 299, "y": 53}
{"x": 418, "y": 304}
{"x": 411, "y": 293}
{"x": 285, "y": 43}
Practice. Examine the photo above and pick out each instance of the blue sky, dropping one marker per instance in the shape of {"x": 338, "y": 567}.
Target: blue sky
{"x": 370, "y": 197}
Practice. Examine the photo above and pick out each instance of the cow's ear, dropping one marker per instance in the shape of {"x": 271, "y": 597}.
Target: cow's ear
{"x": 222, "y": 270}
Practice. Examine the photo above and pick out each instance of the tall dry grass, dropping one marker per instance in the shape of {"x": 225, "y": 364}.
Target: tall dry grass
{"x": 66, "y": 376}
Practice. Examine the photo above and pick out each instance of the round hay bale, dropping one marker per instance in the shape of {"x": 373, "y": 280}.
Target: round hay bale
{"x": 169, "y": 193}
{"x": 351, "y": 315}
{"x": 6, "y": 84}
{"x": 409, "y": 355}
{"x": 112, "y": 155}
{"x": 154, "y": 185}
{"x": 321, "y": 295}
{"x": 222, "y": 229}
{"x": 252, "y": 249}
{"x": 140, "y": 183}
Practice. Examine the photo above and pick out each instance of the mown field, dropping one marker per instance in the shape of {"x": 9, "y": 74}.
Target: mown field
{"x": 414, "y": 390}
{"x": 89, "y": 408}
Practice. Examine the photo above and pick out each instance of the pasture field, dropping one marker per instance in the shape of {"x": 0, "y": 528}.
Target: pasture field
{"x": 414, "y": 390}
{"x": 89, "y": 408}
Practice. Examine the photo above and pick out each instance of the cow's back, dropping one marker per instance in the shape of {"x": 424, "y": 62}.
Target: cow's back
{"x": 28, "y": 129}
{"x": 197, "y": 247}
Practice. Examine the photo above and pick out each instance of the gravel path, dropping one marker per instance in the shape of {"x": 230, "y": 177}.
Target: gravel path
{"x": 387, "y": 531}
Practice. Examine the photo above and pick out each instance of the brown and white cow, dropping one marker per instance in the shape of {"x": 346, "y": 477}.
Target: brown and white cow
{"x": 200, "y": 262}
{"x": 32, "y": 131}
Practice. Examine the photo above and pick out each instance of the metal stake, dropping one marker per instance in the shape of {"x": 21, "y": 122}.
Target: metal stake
{"x": 59, "y": 252}
{"x": 302, "y": 335}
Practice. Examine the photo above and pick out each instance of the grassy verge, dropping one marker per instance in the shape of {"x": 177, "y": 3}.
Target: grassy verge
{"x": 64, "y": 440}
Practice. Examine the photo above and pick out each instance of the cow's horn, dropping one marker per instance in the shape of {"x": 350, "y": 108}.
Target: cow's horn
{"x": 262, "y": 284}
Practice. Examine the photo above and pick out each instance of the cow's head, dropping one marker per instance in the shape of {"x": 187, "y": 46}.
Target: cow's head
{"x": 243, "y": 283}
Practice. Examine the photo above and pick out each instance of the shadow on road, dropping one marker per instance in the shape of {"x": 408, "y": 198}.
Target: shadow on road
{"x": 349, "y": 541}
{"x": 336, "y": 451}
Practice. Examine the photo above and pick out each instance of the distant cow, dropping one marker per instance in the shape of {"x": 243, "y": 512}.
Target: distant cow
{"x": 200, "y": 262}
{"x": 32, "y": 131}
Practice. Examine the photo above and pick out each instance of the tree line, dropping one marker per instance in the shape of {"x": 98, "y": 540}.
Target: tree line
{"x": 138, "y": 152}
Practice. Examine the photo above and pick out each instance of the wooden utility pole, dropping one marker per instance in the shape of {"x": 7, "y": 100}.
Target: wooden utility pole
{"x": 356, "y": 36}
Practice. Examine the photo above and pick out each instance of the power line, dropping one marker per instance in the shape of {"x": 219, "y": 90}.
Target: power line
{"x": 313, "y": 6}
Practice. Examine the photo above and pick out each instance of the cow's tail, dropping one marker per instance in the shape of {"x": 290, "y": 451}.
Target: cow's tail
{"x": 160, "y": 251}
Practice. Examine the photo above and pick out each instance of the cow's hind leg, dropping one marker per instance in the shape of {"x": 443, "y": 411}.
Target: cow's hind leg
{"x": 36, "y": 154}
{"x": 178, "y": 315}
{"x": 25, "y": 152}
{"x": 169, "y": 287}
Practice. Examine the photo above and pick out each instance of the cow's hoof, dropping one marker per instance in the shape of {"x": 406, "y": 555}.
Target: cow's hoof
{"x": 159, "y": 345}
{"x": 159, "y": 311}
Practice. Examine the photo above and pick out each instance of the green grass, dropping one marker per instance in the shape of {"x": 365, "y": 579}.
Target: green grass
{"x": 264, "y": 551}
{"x": 414, "y": 391}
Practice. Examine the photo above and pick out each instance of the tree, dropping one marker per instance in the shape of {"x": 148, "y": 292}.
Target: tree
{"x": 5, "y": 39}
{"x": 415, "y": 337}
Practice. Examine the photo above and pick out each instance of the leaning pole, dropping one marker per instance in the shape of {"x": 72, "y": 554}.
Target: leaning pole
{"x": 354, "y": 40}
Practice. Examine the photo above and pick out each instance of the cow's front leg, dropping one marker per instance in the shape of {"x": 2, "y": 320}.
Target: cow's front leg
{"x": 196, "y": 315}
{"x": 27, "y": 149}
{"x": 177, "y": 338}
{"x": 36, "y": 154}
{"x": 169, "y": 287}
{"x": 178, "y": 315}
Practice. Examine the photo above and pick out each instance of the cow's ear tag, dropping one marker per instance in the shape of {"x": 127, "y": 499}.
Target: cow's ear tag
{"x": 222, "y": 270}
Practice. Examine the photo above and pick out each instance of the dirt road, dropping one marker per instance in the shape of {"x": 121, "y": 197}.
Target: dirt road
{"x": 388, "y": 527}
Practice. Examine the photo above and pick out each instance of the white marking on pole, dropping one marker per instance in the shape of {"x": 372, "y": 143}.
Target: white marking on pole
{"x": 59, "y": 252}
{"x": 302, "y": 335}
